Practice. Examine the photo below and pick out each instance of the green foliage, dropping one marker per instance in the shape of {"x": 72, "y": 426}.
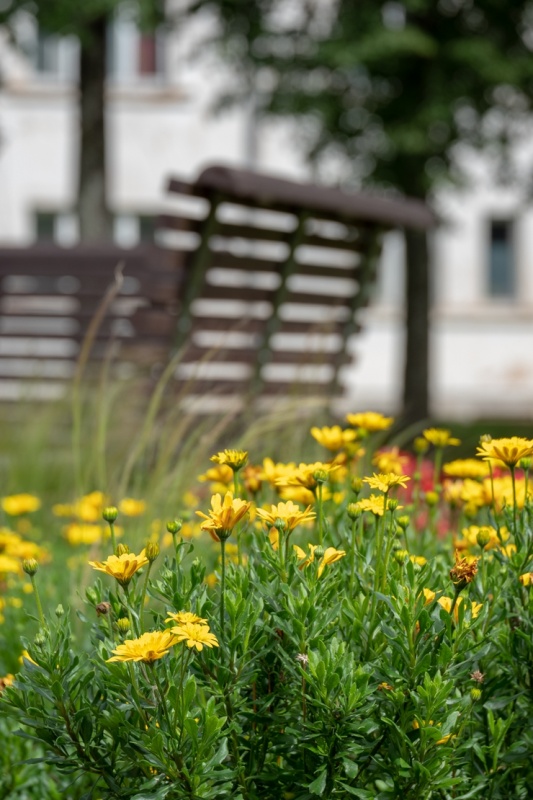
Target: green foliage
{"x": 355, "y": 671}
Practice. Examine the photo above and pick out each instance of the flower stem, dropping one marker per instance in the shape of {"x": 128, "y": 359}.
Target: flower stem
{"x": 143, "y": 595}
{"x": 161, "y": 695}
{"x": 320, "y": 514}
{"x": 113, "y": 537}
{"x": 38, "y": 602}
{"x": 222, "y": 585}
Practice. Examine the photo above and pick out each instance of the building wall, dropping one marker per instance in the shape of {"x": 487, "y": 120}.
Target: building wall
{"x": 481, "y": 346}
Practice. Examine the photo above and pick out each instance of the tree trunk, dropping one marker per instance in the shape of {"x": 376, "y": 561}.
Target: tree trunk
{"x": 94, "y": 217}
{"x": 417, "y": 358}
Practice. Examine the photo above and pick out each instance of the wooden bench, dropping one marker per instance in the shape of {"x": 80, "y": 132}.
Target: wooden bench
{"x": 50, "y": 301}
{"x": 254, "y": 290}
{"x": 275, "y": 272}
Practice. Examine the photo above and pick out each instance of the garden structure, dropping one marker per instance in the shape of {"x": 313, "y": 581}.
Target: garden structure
{"x": 255, "y": 286}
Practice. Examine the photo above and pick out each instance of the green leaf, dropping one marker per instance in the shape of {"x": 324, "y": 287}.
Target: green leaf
{"x": 319, "y": 784}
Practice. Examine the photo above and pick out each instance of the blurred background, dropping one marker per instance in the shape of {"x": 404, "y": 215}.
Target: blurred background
{"x": 102, "y": 101}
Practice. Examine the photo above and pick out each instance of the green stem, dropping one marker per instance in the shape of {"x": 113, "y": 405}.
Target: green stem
{"x": 133, "y": 624}
{"x": 223, "y": 584}
{"x": 38, "y": 602}
{"x": 113, "y": 537}
{"x": 515, "y": 524}
{"x": 320, "y": 514}
{"x": 143, "y": 596}
{"x": 161, "y": 695}
{"x": 354, "y": 544}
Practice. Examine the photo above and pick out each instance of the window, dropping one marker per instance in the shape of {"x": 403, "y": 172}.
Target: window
{"x": 501, "y": 259}
{"x": 134, "y": 54}
{"x": 61, "y": 227}
{"x": 55, "y": 57}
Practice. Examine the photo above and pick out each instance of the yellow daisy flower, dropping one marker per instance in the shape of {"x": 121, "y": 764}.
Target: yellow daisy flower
{"x": 147, "y": 648}
{"x": 182, "y": 617}
{"x": 440, "y": 437}
{"x": 17, "y": 504}
{"x": 223, "y": 515}
{"x": 507, "y": 450}
{"x": 369, "y": 421}
{"x": 233, "y": 458}
{"x": 334, "y": 438}
{"x": 131, "y": 507}
{"x": 385, "y": 481}
{"x": 194, "y": 635}
{"x": 122, "y": 567}
{"x": 289, "y": 513}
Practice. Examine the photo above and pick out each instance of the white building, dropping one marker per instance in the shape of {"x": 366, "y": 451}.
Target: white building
{"x": 161, "y": 123}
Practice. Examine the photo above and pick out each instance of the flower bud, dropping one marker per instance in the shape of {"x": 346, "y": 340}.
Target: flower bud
{"x": 485, "y": 438}
{"x": 110, "y": 513}
{"x": 392, "y": 504}
{"x": 475, "y": 693}
{"x": 152, "y": 551}
{"x": 122, "y": 549}
{"x": 432, "y": 498}
{"x": 403, "y": 521}
{"x": 103, "y": 608}
{"x": 60, "y": 611}
{"x": 280, "y": 525}
{"x": 320, "y": 476}
{"x": 401, "y": 556}
{"x": 353, "y": 511}
{"x": 30, "y": 566}
{"x": 319, "y": 552}
{"x": 525, "y": 464}
{"x": 357, "y": 485}
{"x": 91, "y": 595}
{"x": 483, "y": 537}
{"x": 420, "y": 445}
{"x": 40, "y": 639}
{"x": 123, "y": 625}
{"x": 174, "y": 526}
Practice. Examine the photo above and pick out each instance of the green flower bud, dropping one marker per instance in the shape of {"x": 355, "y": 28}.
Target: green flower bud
{"x": 174, "y": 526}
{"x": 401, "y": 556}
{"x": 392, "y": 504}
{"x": 403, "y": 522}
{"x": 432, "y": 498}
{"x": 91, "y": 595}
{"x": 353, "y": 511}
{"x": 525, "y": 463}
{"x": 60, "y": 611}
{"x": 319, "y": 552}
{"x": 152, "y": 551}
{"x": 475, "y": 693}
{"x": 320, "y": 476}
{"x": 420, "y": 445}
{"x": 40, "y": 639}
{"x": 483, "y": 537}
{"x": 30, "y": 566}
{"x": 122, "y": 549}
{"x": 357, "y": 485}
{"x": 110, "y": 513}
{"x": 123, "y": 625}
{"x": 485, "y": 438}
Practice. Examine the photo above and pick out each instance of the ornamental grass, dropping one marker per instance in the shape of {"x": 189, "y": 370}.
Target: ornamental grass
{"x": 357, "y": 624}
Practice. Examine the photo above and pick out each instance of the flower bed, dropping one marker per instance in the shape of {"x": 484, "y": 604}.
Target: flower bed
{"x": 358, "y": 626}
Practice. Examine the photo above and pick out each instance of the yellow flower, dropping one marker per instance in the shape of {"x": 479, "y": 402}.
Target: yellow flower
{"x": 334, "y": 438}
{"x": 131, "y": 507}
{"x": 304, "y": 475}
{"x": 219, "y": 474}
{"x": 86, "y": 533}
{"x": 470, "y": 537}
{"x": 182, "y": 617}
{"x": 123, "y": 567}
{"x": 9, "y": 564}
{"x": 272, "y": 471}
{"x": 302, "y": 555}
{"x": 503, "y": 491}
{"x": 289, "y": 513}
{"x": 383, "y": 482}
{"x": 195, "y": 635}
{"x": 370, "y": 421}
{"x": 223, "y": 515}
{"x": 466, "y": 468}
{"x": 6, "y": 681}
{"x": 429, "y": 596}
{"x": 446, "y": 603}
{"x": 526, "y": 579}
{"x": 233, "y": 458}
{"x": 17, "y": 504}
{"x": 466, "y": 492}
{"x": 416, "y": 726}
{"x": 374, "y": 503}
{"x": 147, "y": 648}
{"x": 299, "y": 494}
{"x": 507, "y": 450}
{"x": 440, "y": 437}
{"x": 420, "y": 560}
{"x": 331, "y": 555}
{"x": 390, "y": 460}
